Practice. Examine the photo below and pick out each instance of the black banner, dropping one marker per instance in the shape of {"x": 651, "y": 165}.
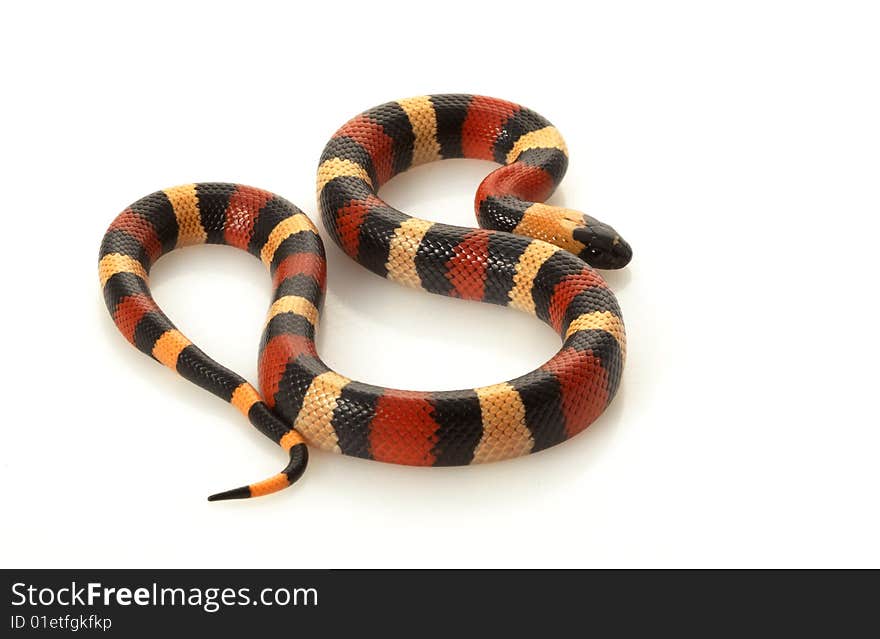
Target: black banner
{"x": 134, "y": 603}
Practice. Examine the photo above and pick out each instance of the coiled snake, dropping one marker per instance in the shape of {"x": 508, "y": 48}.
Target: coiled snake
{"x": 526, "y": 255}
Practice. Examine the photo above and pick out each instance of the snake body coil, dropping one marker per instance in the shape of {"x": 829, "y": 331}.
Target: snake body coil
{"x": 527, "y": 255}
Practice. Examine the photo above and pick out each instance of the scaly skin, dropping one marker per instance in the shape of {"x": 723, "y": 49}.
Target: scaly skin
{"x": 527, "y": 255}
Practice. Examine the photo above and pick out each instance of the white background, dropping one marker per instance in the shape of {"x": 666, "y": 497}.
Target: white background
{"x": 735, "y": 145}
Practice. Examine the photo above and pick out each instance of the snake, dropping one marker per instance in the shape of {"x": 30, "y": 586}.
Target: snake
{"x": 526, "y": 254}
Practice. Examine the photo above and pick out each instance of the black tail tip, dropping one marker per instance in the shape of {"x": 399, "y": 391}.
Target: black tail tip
{"x": 299, "y": 458}
{"x": 236, "y": 493}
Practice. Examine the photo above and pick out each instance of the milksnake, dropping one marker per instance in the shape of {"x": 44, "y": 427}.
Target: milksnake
{"x": 527, "y": 255}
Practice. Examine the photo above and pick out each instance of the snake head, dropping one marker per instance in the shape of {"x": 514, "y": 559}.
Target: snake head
{"x": 603, "y": 246}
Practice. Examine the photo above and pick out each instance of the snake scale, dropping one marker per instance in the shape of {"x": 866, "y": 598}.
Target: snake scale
{"x": 528, "y": 255}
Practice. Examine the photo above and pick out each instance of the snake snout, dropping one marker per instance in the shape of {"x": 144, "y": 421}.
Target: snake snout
{"x": 603, "y": 246}
{"x": 621, "y": 253}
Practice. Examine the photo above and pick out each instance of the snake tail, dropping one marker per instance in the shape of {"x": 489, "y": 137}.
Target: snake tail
{"x": 247, "y": 218}
{"x": 299, "y": 459}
